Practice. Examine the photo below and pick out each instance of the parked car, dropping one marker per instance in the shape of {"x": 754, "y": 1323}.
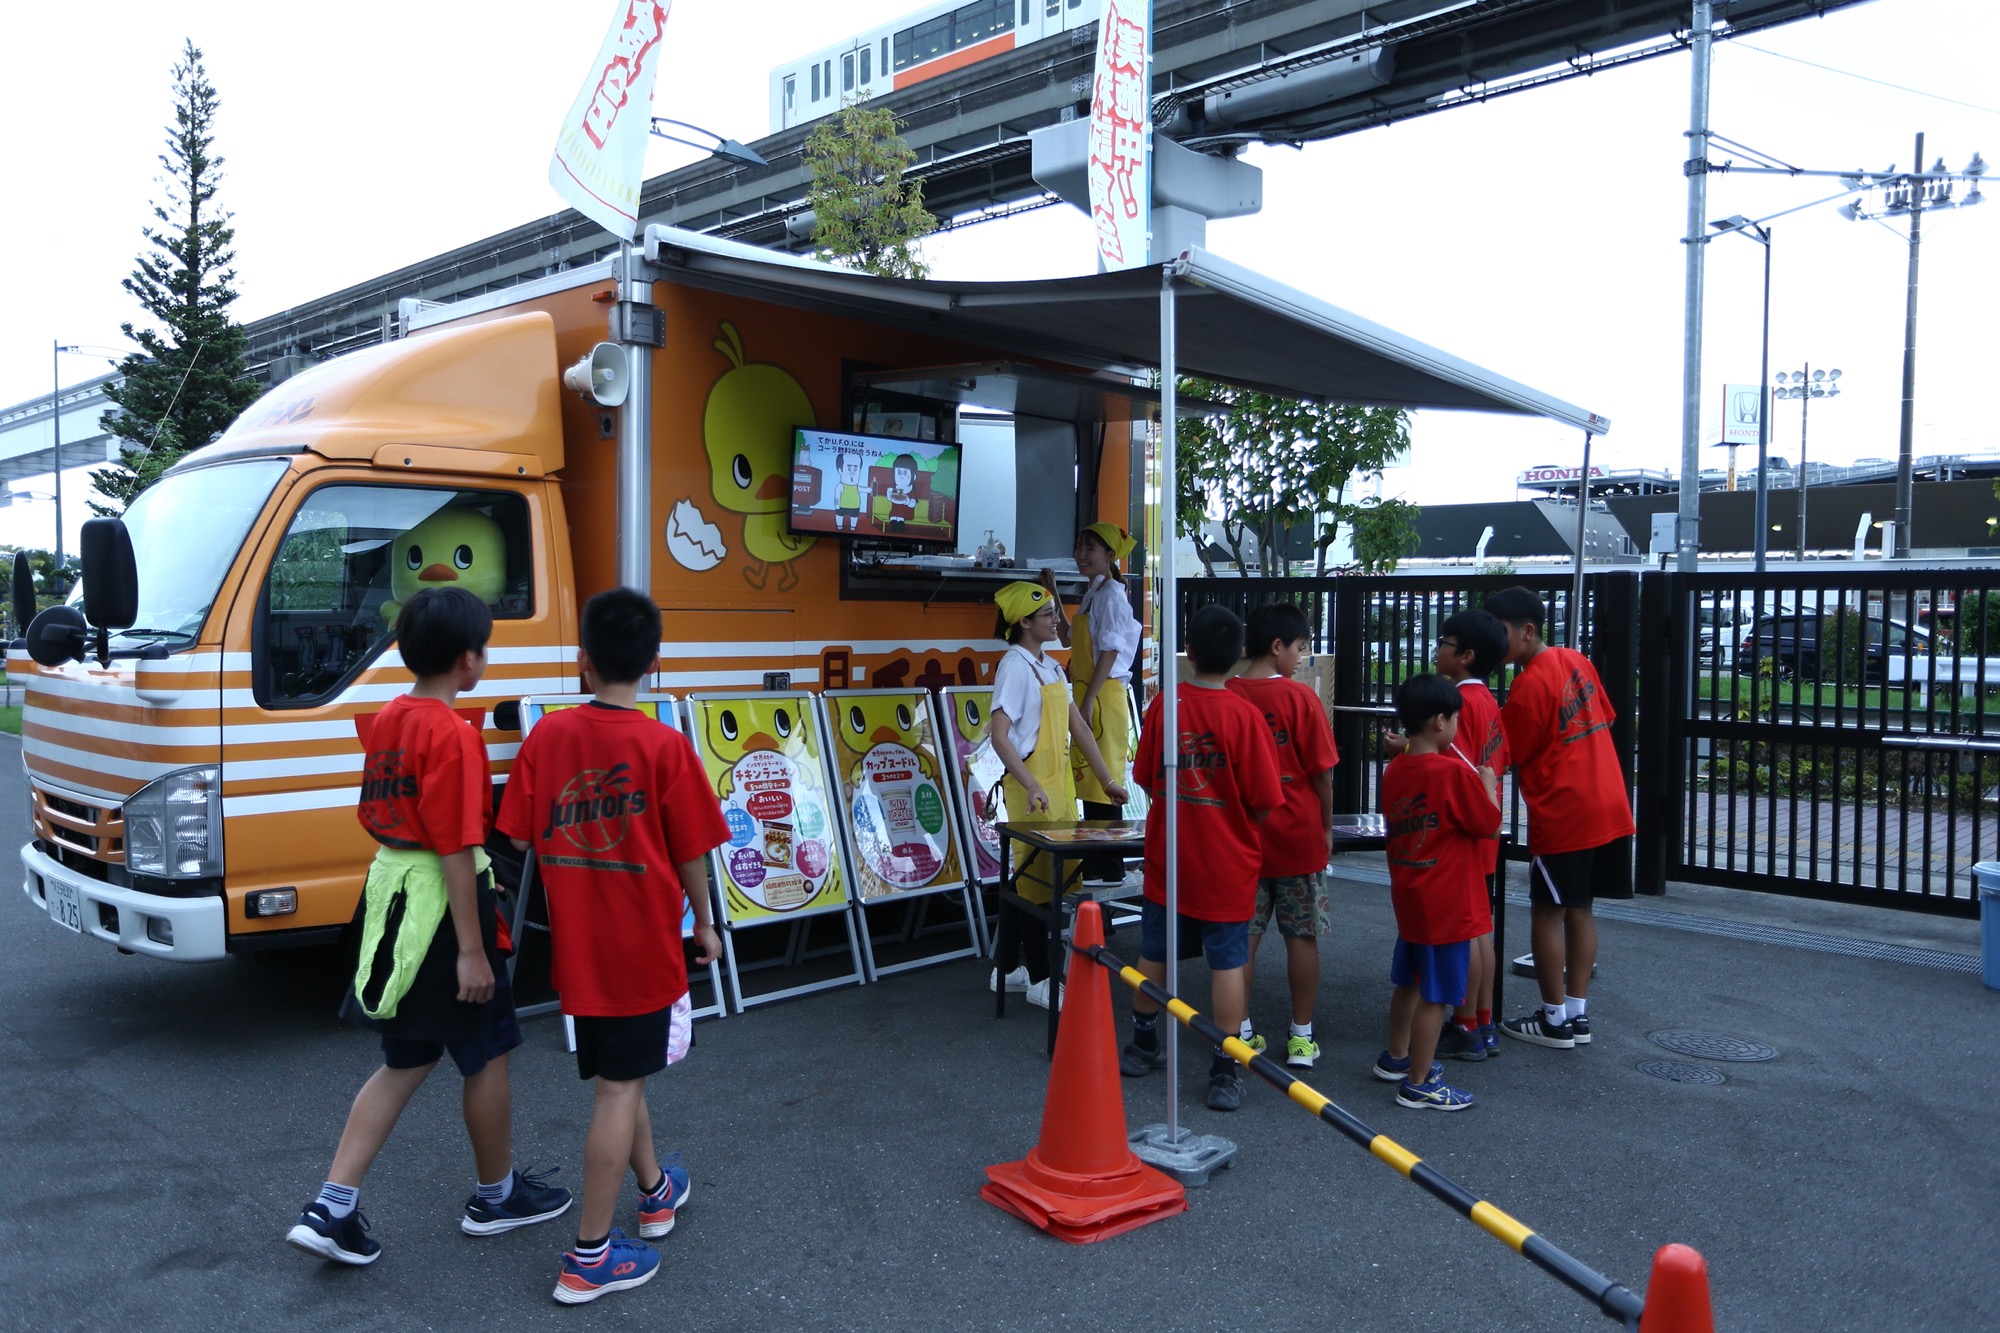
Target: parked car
{"x": 1789, "y": 640}
{"x": 1723, "y": 621}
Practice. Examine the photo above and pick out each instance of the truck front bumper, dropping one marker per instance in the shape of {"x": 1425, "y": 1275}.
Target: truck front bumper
{"x": 186, "y": 930}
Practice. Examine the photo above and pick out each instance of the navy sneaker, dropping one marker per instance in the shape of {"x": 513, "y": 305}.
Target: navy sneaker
{"x": 1537, "y": 1029}
{"x": 1225, "y": 1090}
{"x": 656, "y": 1211}
{"x": 626, "y": 1263}
{"x": 345, "y": 1240}
{"x": 1579, "y": 1029}
{"x": 1455, "y": 1043}
{"x": 1136, "y": 1061}
{"x": 1489, "y": 1036}
{"x": 533, "y": 1200}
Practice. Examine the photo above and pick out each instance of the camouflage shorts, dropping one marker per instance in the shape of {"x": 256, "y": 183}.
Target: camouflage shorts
{"x": 1299, "y": 901}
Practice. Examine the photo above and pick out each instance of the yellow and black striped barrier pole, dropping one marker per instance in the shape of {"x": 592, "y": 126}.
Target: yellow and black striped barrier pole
{"x": 1611, "y": 1298}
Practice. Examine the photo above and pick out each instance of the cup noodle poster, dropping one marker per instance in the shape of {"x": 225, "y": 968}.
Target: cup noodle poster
{"x": 893, "y": 793}
{"x": 764, "y": 759}
{"x": 979, "y": 768}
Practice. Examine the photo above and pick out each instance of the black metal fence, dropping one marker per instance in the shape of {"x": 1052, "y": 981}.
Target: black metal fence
{"x": 1821, "y": 731}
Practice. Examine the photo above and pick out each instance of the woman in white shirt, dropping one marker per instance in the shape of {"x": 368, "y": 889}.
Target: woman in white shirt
{"x": 1103, "y": 639}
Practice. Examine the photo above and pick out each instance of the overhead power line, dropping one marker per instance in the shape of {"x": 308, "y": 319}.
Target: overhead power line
{"x": 1848, "y": 73}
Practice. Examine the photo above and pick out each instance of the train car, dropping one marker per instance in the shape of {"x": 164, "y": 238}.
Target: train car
{"x": 934, "y": 40}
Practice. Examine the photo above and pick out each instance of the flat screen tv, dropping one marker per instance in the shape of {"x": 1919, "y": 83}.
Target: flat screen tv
{"x": 875, "y": 487}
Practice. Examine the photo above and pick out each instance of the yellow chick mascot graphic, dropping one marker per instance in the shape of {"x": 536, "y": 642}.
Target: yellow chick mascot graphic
{"x": 736, "y": 728}
{"x": 747, "y": 429}
{"x": 453, "y": 548}
{"x": 867, "y": 722}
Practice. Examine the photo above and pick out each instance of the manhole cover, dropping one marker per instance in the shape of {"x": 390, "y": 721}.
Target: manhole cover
{"x": 1675, "y": 1072}
{"x": 1713, "y": 1046}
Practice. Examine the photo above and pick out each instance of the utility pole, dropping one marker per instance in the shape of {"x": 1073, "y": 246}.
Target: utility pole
{"x": 1906, "y": 440}
{"x": 1688, "y": 536}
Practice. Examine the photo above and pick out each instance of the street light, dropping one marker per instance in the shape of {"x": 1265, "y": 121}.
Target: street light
{"x": 1743, "y": 226}
{"x": 729, "y": 150}
{"x": 55, "y": 424}
{"x": 1911, "y": 195}
{"x": 1805, "y": 385}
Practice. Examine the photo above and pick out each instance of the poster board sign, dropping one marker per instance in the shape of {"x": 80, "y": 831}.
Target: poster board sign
{"x": 765, "y": 758}
{"x": 896, "y": 803}
{"x": 963, "y": 712}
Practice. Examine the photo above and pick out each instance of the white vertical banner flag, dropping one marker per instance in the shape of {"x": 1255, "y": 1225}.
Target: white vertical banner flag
{"x": 1121, "y": 188}
{"x": 600, "y": 158}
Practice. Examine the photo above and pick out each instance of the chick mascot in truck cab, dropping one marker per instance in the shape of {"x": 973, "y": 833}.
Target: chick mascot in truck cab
{"x": 454, "y": 547}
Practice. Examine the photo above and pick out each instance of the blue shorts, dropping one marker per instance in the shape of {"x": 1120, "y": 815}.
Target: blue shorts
{"x": 1226, "y": 944}
{"x": 498, "y": 1034}
{"x": 1438, "y": 971}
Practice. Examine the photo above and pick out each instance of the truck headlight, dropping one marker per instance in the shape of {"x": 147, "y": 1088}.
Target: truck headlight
{"x": 173, "y": 826}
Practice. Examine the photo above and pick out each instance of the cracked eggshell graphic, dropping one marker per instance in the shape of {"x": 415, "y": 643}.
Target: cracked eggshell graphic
{"x": 692, "y": 540}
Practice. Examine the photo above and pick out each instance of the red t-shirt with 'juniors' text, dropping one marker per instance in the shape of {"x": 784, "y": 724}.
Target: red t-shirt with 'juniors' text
{"x": 425, "y": 784}
{"x": 1482, "y": 740}
{"x": 1439, "y": 818}
{"x": 1558, "y": 725}
{"x": 1228, "y": 771}
{"x": 1294, "y": 835}
{"x": 612, "y": 802}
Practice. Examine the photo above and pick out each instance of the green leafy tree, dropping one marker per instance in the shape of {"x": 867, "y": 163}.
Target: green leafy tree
{"x": 187, "y": 381}
{"x": 1265, "y": 467}
{"x": 52, "y": 585}
{"x": 867, "y": 214}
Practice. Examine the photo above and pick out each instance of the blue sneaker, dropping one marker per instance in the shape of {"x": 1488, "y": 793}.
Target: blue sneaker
{"x": 1395, "y": 1069}
{"x": 626, "y": 1263}
{"x": 1436, "y": 1095}
{"x": 1489, "y": 1037}
{"x": 344, "y": 1240}
{"x": 533, "y": 1200}
{"x": 656, "y": 1211}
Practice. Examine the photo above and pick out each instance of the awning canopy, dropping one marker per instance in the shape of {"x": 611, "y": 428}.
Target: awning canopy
{"x": 1234, "y": 325}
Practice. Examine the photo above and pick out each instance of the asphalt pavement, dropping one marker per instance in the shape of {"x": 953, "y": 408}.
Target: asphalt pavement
{"x": 163, "y": 1123}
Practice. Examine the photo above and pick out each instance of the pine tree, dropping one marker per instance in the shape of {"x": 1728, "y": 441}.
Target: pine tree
{"x": 867, "y": 215}
{"x": 187, "y": 381}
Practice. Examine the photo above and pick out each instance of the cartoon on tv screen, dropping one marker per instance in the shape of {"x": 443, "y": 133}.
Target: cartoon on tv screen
{"x": 875, "y": 486}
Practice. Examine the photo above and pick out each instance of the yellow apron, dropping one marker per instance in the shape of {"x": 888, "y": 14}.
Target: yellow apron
{"x": 1049, "y": 766}
{"x": 1110, "y": 718}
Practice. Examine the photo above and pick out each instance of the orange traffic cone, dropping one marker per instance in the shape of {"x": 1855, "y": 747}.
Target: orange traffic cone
{"x": 1082, "y": 1182}
{"x": 1677, "y": 1294}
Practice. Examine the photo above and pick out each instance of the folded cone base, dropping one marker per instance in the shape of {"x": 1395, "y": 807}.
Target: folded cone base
{"x": 1082, "y": 1209}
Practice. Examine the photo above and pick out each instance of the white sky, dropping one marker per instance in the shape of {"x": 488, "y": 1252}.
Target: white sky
{"x": 1537, "y": 234}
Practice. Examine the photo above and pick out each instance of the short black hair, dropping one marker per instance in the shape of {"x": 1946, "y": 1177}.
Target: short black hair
{"x": 621, "y": 632}
{"x": 437, "y": 626}
{"x": 1423, "y": 697}
{"x": 1480, "y": 633}
{"x": 1518, "y": 606}
{"x": 1276, "y": 622}
{"x": 1214, "y": 639}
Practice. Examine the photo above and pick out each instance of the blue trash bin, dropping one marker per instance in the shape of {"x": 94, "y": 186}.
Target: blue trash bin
{"x": 1987, "y": 876}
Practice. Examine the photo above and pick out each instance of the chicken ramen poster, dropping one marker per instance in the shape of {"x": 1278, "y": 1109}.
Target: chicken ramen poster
{"x": 766, "y": 762}
{"x": 893, "y": 793}
{"x": 978, "y": 768}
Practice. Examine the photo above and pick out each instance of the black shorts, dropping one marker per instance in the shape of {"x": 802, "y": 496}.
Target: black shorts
{"x": 1575, "y": 879}
{"x": 631, "y": 1046}
{"x": 498, "y": 1033}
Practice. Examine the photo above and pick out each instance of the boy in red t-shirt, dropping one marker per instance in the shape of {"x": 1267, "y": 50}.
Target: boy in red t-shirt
{"x": 622, "y": 822}
{"x": 1471, "y": 645}
{"x": 1298, "y": 836}
{"x": 432, "y": 976}
{"x": 1227, "y": 782}
{"x": 1558, "y": 726}
{"x": 1440, "y": 811}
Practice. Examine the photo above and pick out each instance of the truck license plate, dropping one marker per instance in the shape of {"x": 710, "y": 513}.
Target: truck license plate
{"x": 65, "y": 904}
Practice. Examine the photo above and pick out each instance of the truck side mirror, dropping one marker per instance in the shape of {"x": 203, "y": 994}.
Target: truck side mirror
{"x": 58, "y": 635}
{"x": 110, "y": 575}
{"x": 24, "y": 594}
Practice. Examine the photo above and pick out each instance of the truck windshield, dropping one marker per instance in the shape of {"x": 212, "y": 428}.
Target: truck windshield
{"x": 186, "y": 531}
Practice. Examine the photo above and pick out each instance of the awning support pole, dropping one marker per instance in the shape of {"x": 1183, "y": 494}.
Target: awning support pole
{"x": 1582, "y": 526}
{"x": 1170, "y": 756}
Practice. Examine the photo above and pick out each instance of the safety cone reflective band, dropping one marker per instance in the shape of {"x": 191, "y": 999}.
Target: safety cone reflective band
{"x": 1082, "y": 1182}
{"x": 1677, "y": 1295}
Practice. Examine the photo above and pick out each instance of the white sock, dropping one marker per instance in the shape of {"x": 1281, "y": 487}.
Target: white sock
{"x": 1573, "y": 1007}
{"x": 1247, "y": 1031}
{"x": 498, "y": 1193}
{"x": 339, "y": 1200}
{"x": 1556, "y": 1014}
{"x": 1302, "y": 1030}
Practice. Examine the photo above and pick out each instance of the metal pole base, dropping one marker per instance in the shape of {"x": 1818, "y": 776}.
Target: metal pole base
{"x": 1524, "y": 966}
{"x": 1190, "y": 1158}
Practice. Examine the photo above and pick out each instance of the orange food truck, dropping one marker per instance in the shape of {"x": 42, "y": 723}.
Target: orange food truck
{"x": 805, "y": 475}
